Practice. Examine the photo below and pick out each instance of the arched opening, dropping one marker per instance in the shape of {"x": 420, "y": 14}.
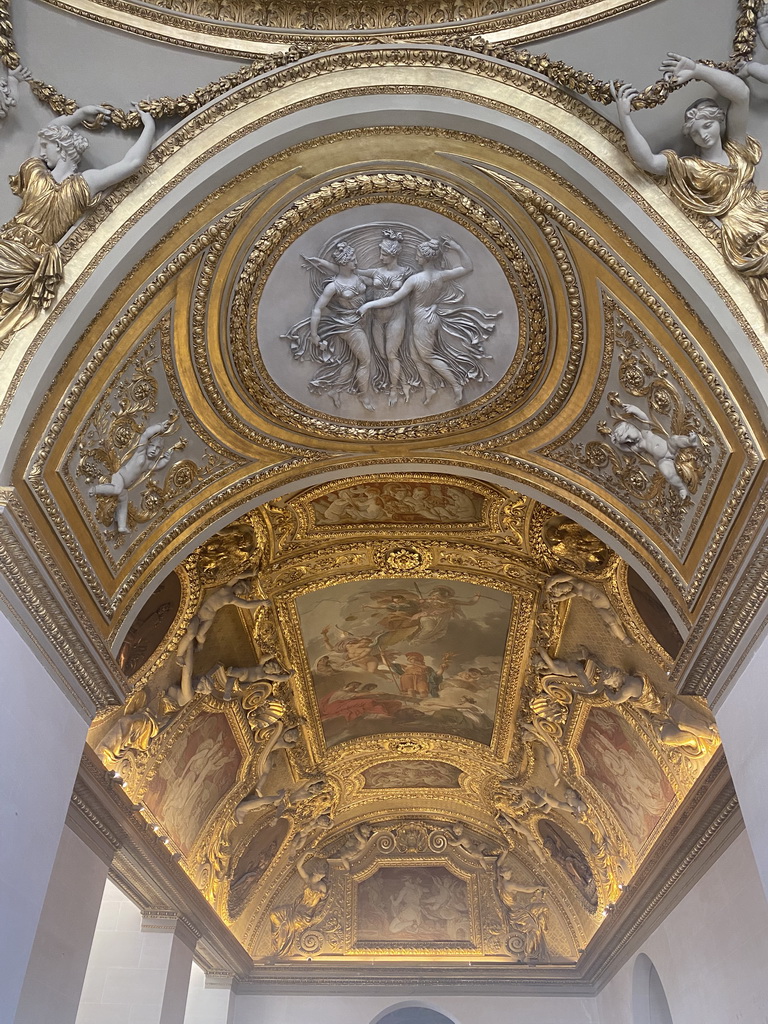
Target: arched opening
{"x": 413, "y": 1015}
{"x": 649, "y": 1000}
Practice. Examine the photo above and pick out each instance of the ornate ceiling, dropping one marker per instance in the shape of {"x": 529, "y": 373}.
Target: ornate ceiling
{"x": 398, "y": 491}
{"x": 474, "y": 751}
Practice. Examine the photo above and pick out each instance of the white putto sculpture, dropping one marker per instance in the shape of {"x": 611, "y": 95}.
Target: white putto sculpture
{"x": 149, "y": 456}
{"x": 9, "y": 87}
{"x": 636, "y": 434}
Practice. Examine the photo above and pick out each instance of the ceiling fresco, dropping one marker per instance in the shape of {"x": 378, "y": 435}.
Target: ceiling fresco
{"x": 422, "y": 658}
{"x": 427, "y": 746}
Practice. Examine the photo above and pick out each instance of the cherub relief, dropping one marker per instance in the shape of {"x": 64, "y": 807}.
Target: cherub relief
{"x": 149, "y": 456}
{"x": 673, "y": 455}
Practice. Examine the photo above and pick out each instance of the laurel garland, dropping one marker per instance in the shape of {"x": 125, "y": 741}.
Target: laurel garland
{"x": 556, "y": 71}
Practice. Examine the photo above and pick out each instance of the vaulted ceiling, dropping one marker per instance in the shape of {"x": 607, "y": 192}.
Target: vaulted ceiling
{"x": 411, "y": 610}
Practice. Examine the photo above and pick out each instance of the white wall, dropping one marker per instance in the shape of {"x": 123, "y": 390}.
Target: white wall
{"x": 741, "y": 720}
{"x": 711, "y": 953}
{"x": 136, "y": 974}
{"x": 57, "y": 966}
{"x": 349, "y": 1008}
{"x": 41, "y": 740}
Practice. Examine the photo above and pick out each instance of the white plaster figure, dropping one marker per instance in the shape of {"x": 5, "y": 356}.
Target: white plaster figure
{"x": 562, "y": 587}
{"x": 9, "y": 87}
{"x": 660, "y": 450}
{"x": 457, "y": 838}
{"x": 387, "y": 327}
{"x": 344, "y": 327}
{"x": 719, "y": 181}
{"x": 535, "y": 732}
{"x": 427, "y": 290}
{"x": 54, "y": 195}
{"x": 419, "y": 335}
{"x": 234, "y": 593}
{"x": 544, "y": 800}
{"x": 505, "y": 814}
{"x": 148, "y": 457}
{"x": 582, "y": 669}
{"x": 359, "y": 840}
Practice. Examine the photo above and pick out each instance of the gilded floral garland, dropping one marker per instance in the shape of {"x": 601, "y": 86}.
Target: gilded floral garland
{"x": 556, "y": 71}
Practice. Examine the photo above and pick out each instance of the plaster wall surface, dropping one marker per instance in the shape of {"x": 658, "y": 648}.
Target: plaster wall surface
{"x": 361, "y": 1009}
{"x": 133, "y": 976}
{"x": 741, "y": 720}
{"x": 38, "y": 770}
{"x": 711, "y": 952}
{"x": 54, "y": 978}
{"x": 214, "y": 1005}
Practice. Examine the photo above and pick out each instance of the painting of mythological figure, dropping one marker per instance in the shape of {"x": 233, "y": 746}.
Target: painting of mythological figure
{"x": 625, "y": 773}
{"x": 200, "y": 768}
{"x": 564, "y": 851}
{"x": 394, "y": 316}
{"x": 398, "y": 502}
{"x": 402, "y": 906}
{"x": 424, "y": 656}
{"x": 255, "y": 861}
{"x": 412, "y": 775}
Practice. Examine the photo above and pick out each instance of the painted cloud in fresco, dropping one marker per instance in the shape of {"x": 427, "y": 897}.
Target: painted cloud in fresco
{"x": 412, "y": 656}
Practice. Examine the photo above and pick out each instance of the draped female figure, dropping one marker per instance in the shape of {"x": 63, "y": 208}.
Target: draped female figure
{"x": 54, "y": 195}
{"x": 719, "y": 181}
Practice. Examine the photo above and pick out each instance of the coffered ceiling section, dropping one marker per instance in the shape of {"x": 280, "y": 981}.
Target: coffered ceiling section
{"x": 411, "y": 719}
{"x": 449, "y": 302}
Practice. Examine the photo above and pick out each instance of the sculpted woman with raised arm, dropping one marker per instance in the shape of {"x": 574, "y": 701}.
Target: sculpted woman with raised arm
{"x": 718, "y": 181}
{"x": 436, "y": 320}
{"x": 54, "y": 195}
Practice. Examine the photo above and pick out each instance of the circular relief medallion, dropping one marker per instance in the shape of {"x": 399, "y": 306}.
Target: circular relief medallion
{"x": 384, "y": 313}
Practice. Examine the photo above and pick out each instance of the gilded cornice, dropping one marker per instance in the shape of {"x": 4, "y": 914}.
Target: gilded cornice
{"x": 310, "y": 27}
{"x": 247, "y": 28}
{"x": 37, "y": 586}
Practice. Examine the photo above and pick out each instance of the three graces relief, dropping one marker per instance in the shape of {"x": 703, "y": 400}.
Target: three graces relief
{"x": 396, "y": 317}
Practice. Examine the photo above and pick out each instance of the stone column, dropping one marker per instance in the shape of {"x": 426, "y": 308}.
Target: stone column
{"x": 742, "y": 719}
{"x": 211, "y": 999}
{"x": 171, "y": 941}
{"x": 139, "y": 968}
{"x": 54, "y": 978}
{"x": 42, "y": 734}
